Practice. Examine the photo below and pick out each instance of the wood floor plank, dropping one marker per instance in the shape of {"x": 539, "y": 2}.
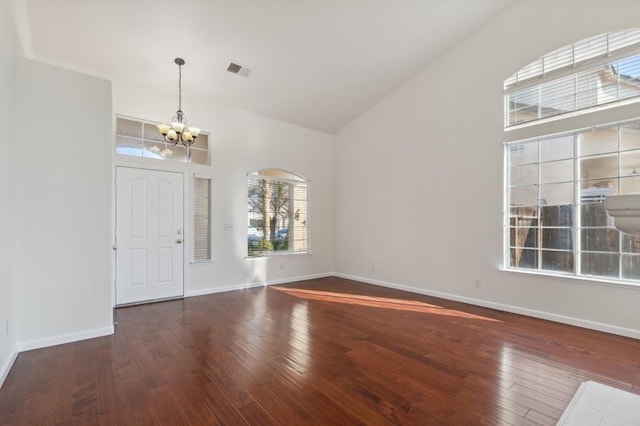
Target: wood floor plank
{"x": 294, "y": 401}
{"x": 316, "y": 352}
{"x": 222, "y": 409}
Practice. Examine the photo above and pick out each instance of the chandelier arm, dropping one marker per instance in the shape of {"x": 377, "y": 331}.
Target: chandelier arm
{"x": 186, "y": 142}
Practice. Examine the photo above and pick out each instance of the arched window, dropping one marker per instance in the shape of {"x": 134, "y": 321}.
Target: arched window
{"x": 556, "y": 183}
{"x": 278, "y": 213}
{"x": 596, "y": 72}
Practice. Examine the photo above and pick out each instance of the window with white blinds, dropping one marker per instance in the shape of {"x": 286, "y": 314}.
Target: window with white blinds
{"x": 556, "y": 184}
{"x": 201, "y": 218}
{"x": 278, "y": 213}
{"x": 596, "y": 72}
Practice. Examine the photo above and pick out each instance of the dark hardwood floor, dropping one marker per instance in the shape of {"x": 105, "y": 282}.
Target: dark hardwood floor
{"x": 325, "y": 352}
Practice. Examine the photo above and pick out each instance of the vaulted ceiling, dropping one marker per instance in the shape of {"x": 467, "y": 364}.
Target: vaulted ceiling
{"x": 315, "y": 63}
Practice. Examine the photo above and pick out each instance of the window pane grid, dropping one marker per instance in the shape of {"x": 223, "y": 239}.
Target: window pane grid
{"x": 550, "y": 232}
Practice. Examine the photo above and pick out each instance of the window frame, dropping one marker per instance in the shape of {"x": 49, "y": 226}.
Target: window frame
{"x": 578, "y": 227}
{"x": 276, "y": 176}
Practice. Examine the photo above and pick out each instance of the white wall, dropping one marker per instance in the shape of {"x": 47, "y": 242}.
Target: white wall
{"x": 423, "y": 169}
{"x": 7, "y": 283}
{"x": 62, "y": 204}
{"x": 242, "y": 142}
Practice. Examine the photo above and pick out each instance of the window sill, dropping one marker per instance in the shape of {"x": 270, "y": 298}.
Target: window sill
{"x": 603, "y": 281}
{"x": 303, "y": 253}
{"x": 197, "y": 262}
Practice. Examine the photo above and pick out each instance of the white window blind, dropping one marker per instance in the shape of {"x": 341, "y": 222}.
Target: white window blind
{"x": 278, "y": 213}
{"x": 202, "y": 218}
{"x": 577, "y": 78}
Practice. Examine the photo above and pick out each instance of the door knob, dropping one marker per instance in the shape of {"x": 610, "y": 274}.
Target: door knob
{"x": 179, "y": 241}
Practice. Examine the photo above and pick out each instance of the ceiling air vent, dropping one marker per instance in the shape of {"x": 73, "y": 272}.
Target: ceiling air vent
{"x": 239, "y": 69}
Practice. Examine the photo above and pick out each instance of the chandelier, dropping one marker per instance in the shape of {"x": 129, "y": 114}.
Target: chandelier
{"x": 178, "y": 131}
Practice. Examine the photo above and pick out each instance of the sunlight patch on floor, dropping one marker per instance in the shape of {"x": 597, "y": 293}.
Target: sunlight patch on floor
{"x": 379, "y": 302}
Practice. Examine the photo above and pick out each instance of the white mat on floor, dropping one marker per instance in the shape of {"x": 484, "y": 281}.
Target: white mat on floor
{"x": 598, "y": 404}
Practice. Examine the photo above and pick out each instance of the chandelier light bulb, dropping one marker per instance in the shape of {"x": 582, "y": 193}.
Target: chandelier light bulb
{"x": 177, "y": 126}
{"x": 164, "y": 129}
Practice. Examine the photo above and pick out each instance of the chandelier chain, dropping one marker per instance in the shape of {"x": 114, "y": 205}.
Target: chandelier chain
{"x": 179, "y": 87}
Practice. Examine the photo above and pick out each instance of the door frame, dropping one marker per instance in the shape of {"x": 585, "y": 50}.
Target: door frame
{"x": 127, "y": 163}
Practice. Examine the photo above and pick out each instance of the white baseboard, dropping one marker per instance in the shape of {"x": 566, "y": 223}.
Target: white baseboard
{"x": 4, "y": 369}
{"x": 245, "y": 286}
{"x": 64, "y": 338}
{"x": 579, "y": 322}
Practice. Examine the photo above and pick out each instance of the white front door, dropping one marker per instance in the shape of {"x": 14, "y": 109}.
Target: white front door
{"x": 149, "y": 235}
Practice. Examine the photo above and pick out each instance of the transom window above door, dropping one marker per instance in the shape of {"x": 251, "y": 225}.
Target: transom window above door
{"x": 139, "y": 138}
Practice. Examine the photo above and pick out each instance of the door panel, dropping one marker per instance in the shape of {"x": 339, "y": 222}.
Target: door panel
{"x": 149, "y": 224}
{"x": 165, "y": 272}
{"x": 138, "y": 266}
{"x": 138, "y": 207}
